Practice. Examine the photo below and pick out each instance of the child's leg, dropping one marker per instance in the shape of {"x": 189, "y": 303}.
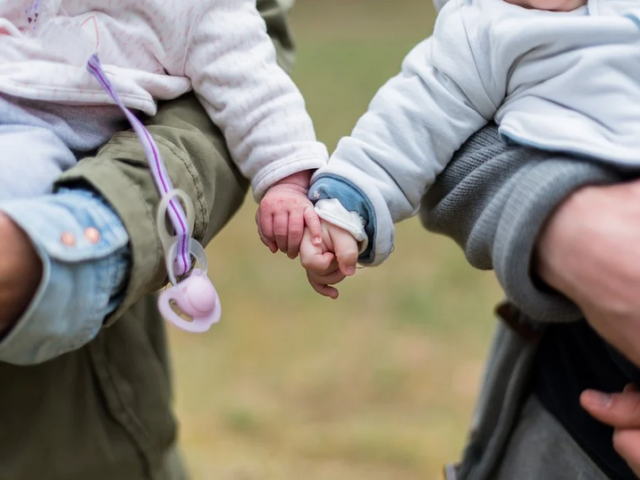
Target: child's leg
{"x": 31, "y": 158}
{"x": 40, "y": 140}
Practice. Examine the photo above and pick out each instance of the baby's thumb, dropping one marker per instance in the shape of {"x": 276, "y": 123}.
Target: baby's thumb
{"x": 346, "y": 250}
{"x": 311, "y": 256}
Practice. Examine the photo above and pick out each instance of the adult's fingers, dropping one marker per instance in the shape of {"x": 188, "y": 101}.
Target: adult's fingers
{"x": 620, "y": 410}
{"x": 346, "y": 250}
{"x": 281, "y": 230}
{"x": 296, "y": 229}
{"x": 627, "y": 444}
{"x": 314, "y": 225}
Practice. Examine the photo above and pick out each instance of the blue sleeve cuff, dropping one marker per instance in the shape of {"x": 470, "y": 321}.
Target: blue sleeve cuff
{"x": 85, "y": 254}
{"x": 351, "y": 197}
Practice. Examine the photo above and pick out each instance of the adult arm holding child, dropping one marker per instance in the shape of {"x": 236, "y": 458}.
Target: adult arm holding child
{"x": 560, "y": 233}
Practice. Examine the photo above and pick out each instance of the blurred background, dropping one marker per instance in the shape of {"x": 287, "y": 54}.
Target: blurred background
{"x": 379, "y": 384}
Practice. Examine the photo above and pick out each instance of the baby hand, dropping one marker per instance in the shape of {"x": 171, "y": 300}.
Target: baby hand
{"x": 331, "y": 261}
{"x": 283, "y": 213}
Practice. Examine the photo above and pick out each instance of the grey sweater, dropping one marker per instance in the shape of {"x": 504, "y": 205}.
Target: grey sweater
{"x": 493, "y": 200}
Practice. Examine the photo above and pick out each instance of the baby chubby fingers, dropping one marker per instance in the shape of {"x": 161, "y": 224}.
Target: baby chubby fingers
{"x": 322, "y": 283}
{"x": 296, "y": 230}
{"x": 346, "y": 250}
{"x": 312, "y": 221}
{"x": 265, "y": 230}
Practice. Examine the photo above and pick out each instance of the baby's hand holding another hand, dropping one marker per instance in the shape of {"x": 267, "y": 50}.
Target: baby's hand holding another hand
{"x": 283, "y": 213}
{"x": 331, "y": 261}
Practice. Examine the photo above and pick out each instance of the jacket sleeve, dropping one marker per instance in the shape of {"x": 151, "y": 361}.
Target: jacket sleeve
{"x": 412, "y": 128}
{"x": 494, "y": 199}
{"x": 232, "y": 65}
{"x": 197, "y": 160}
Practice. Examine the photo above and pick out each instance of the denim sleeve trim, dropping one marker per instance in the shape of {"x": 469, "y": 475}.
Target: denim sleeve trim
{"x": 77, "y": 291}
{"x": 354, "y": 200}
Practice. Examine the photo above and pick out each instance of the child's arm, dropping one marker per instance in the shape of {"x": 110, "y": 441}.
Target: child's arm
{"x": 232, "y": 65}
{"x": 412, "y": 128}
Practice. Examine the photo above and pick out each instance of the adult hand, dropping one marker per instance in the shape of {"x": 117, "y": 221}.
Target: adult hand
{"x": 621, "y": 411}
{"x": 20, "y": 272}
{"x": 590, "y": 252}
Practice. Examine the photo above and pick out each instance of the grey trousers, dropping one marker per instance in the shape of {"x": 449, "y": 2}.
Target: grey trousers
{"x": 541, "y": 449}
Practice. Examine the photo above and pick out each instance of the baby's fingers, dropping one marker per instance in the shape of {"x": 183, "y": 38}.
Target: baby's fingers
{"x": 324, "y": 290}
{"x": 312, "y": 258}
{"x": 265, "y": 230}
{"x": 322, "y": 283}
{"x": 281, "y": 231}
{"x": 314, "y": 225}
{"x": 346, "y": 250}
{"x": 296, "y": 229}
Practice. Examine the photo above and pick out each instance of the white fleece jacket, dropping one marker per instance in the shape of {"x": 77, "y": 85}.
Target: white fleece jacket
{"x": 565, "y": 82}
{"x": 157, "y": 50}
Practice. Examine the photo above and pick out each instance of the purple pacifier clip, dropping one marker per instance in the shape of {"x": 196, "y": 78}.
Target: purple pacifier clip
{"x": 195, "y": 295}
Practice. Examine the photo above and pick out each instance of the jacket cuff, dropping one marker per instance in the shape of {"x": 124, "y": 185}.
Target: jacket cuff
{"x": 81, "y": 280}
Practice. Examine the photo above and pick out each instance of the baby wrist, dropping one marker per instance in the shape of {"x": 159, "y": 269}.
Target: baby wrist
{"x": 333, "y": 212}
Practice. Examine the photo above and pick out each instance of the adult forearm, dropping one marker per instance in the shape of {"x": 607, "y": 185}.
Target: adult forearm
{"x": 495, "y": 199}
{"x": 589, "y": 251}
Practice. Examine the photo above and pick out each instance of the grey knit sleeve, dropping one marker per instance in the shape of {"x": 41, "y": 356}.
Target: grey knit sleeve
{"x": 493, "y": 199}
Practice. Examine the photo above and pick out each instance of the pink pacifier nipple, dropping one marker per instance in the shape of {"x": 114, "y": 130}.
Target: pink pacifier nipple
{"x": 197, "y": 298}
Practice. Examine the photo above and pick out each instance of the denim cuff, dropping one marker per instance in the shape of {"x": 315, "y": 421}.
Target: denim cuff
{"x": 353, "y": 200}
{"x": 84, "y": 249}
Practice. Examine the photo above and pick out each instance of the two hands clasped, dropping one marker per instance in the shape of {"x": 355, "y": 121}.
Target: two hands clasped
{"x": 287, "y": 222}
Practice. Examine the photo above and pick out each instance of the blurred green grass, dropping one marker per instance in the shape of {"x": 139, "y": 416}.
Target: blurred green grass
{"x": 379, "y": 384}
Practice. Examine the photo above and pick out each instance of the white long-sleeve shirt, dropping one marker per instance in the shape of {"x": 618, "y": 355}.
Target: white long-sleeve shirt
{"x": 157, "y": 50}
{"x": 558, "y": 81}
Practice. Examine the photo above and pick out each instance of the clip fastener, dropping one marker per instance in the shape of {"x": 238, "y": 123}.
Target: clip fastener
{"x": 194, "y": 296}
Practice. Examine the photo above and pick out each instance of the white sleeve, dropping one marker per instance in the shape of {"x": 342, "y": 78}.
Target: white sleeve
{"x": 232, "y": 65}
{"x": 413, "y": 126}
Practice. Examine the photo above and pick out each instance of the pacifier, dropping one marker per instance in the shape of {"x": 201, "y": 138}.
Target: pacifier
{"x": 194, "y": 296}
